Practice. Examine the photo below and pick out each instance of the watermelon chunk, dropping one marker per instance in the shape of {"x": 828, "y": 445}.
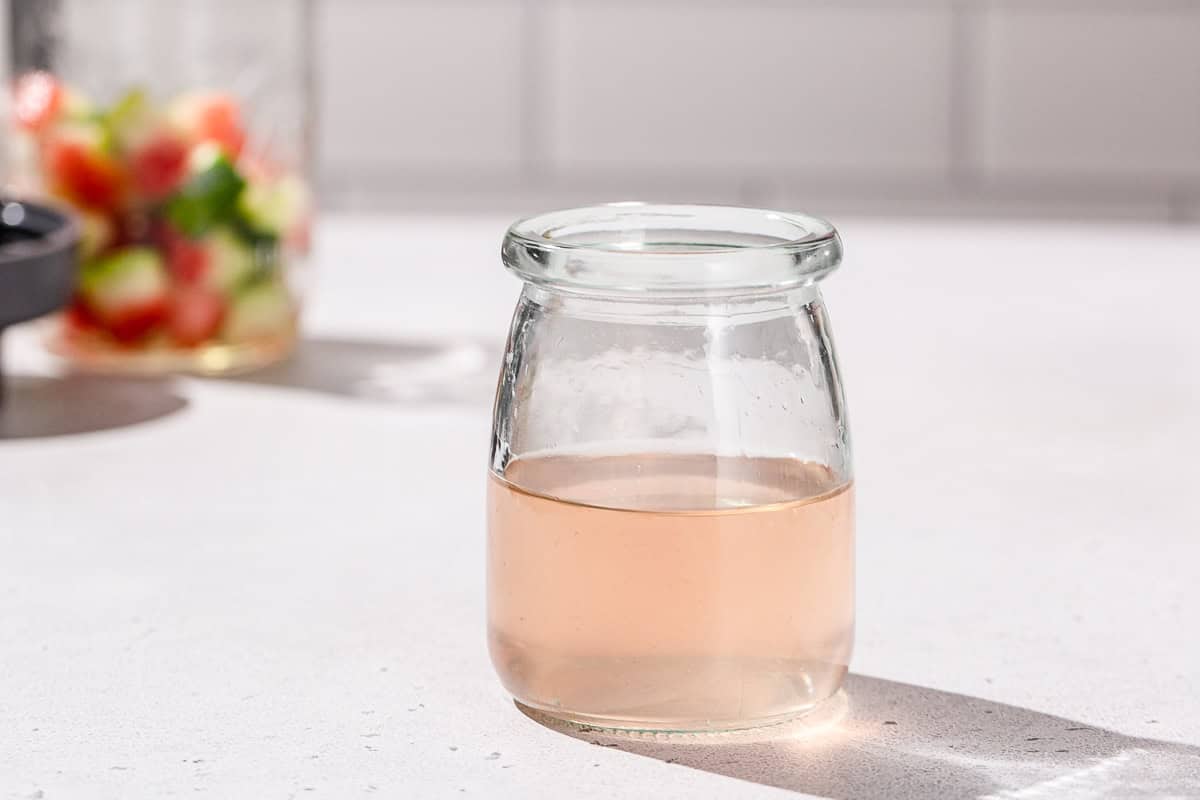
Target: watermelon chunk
{"x": 126, "y": 292}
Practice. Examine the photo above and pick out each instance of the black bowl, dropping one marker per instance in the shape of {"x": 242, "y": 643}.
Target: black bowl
{"x": 38, "y": 261}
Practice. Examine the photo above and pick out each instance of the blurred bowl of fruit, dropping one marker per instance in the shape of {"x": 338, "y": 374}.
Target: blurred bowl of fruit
{"x": 188, "y": 229}
{"x": 37, "y": 262}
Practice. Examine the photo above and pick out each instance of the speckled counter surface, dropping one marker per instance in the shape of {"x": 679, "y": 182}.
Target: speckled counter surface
{"x": 272, "y": 587}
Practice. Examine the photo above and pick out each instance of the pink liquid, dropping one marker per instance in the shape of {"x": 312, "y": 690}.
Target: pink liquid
{"x": 670, "y": 592}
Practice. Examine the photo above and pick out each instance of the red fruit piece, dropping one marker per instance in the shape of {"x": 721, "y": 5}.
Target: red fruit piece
{"x": 125, "y": 292}
{"x": 213, "y": 117}
{"x": 37, "y": 97}
{"x": 77, "y": 316}
{"x": 133, "y": 322}
{"x": 194, "y": 315}
{"x": 159, "y": 165}
{"x": 187, "y": 260}
{"x": 84, "y": 176}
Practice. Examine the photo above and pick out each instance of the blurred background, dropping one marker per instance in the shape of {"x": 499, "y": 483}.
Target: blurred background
{"x": 1077, "y": 109}
{"x": 1064, "y": 108}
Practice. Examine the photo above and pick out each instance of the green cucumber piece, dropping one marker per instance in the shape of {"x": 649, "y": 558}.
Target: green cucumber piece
{"x": 130, "y": 114}
{"x": 232, "y": 262}
{"x": 274, "y": 206}
{"x": 127, "y": 277}
{"x": 206, "y": 199}
{"x": 260, "y": 310}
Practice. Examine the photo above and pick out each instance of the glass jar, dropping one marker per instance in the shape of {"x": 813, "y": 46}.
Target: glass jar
{"x": 178, "y": 132}
{"x": 670, "y": 507}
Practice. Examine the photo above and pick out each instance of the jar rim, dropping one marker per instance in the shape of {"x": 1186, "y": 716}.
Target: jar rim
{"x": 656, "y": 250}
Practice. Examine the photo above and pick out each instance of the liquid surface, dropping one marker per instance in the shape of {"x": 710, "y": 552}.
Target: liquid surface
{"x": 675, "y": 592}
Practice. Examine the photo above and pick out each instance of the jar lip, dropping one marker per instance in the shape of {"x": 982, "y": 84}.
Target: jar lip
{"x": 648, "y": 249}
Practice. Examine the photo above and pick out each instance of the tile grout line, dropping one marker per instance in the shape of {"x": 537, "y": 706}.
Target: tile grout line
{"x": 531, "y": 105}
{"x": 965, "y": 18}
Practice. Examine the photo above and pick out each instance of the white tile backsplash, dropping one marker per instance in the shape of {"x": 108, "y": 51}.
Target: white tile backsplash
{"x": 750, "y": 86}
{"x": 1005, "y": 107}
{"x": 423, "y": 86}
{"x": 1102, "y": 92}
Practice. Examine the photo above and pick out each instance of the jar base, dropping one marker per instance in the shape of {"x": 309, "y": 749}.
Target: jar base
{"x": 99, "y": 354}
{"x": 807, "y": 719}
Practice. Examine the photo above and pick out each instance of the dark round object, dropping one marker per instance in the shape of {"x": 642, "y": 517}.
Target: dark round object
{"x": 38, "y": 262}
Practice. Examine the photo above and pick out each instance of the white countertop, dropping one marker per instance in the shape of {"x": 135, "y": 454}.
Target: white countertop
{"x": 273, "y": 587}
